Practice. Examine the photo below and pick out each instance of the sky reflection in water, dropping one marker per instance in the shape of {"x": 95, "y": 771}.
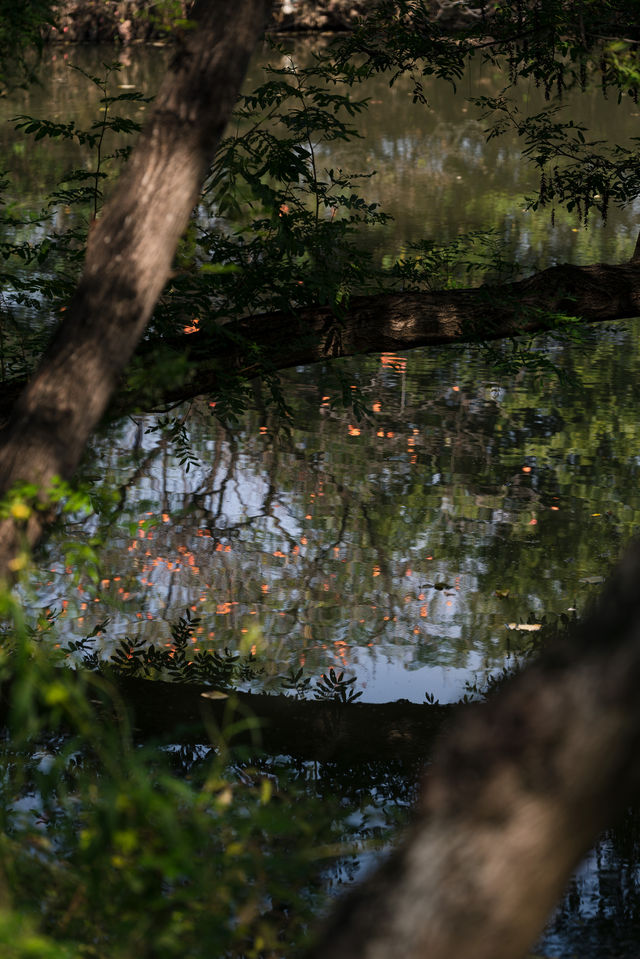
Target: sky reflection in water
{"x": 399, "y": 547}
{"x": 511, "y": 497}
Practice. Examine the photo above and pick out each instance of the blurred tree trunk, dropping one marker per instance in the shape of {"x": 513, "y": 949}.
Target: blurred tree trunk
{"x": 128, "y": 258}
{"x": 518, "y": 790}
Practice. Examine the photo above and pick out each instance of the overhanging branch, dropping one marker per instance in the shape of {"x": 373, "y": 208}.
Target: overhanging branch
{"x": 383, "y": 323}
{"x": 399, "y": 321}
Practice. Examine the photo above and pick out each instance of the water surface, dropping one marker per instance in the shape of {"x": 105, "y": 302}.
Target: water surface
{"x": 404, "y": 547}
{"x": 408, "y": 548}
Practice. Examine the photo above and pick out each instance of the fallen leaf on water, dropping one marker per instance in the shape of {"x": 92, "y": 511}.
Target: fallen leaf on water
{"x": 502, "y": 593}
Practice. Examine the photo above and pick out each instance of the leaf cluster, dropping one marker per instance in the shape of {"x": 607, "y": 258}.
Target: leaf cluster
{"x": 552, "y": 44}
{"x": 333, "y": 687}
{"x": 175, "y": 660}
{"x": 465, "y": 260}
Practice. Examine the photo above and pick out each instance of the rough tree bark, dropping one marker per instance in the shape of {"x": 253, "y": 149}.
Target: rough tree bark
{"x": 401, "y": 321}
{"x": 518, "y": 790}
{"x": 389, "y": 322}
{"x": 129, "y": 255}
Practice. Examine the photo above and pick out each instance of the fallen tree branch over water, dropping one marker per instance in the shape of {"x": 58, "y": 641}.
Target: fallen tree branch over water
{"x": 380, "y": 323}
{"x": 391, "y": 322}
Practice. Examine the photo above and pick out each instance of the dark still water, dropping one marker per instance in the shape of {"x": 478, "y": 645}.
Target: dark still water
{"x": 418, "y": 548}
{"x": 409, "y": 547}
{"x": 436, "y": 174}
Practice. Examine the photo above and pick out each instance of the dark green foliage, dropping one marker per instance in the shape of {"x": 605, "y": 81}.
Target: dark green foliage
{"x": 469, "y": 257}
{"x": 290, "y": 236}
{"x": 295, "y": 680}
{"x": 175, "y": 431}
{"x": 334, "y": 686}
{"x": 555, "y": 44}
{"x": 578, "y": 173}
{"x": 178, "y": 662}
{"x": 22, "y": 29}
{"x": 276, "y": 230}
{"x": 133, "y": 851}
{"x": 40, "y": 274}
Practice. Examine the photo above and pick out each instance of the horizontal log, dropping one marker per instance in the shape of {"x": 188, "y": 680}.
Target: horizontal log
{"x": 308, "y": 729}
{"x": 387, "y": 322}
{"x": 399, "y": 321}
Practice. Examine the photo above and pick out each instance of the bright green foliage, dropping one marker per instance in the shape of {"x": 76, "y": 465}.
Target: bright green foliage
{"x": 19, "y": 939}
{"x": 165, "y": 15}
{"x": 131, "y": 851}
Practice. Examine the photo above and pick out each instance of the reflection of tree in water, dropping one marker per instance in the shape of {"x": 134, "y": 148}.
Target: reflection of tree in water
{"x": 316, "y": 545}
{"x": 600, "y": 913}
{"x": 369, "y": 802}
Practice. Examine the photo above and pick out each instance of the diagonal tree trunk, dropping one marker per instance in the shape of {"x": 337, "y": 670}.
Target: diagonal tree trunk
{"x": 129, "y": 257}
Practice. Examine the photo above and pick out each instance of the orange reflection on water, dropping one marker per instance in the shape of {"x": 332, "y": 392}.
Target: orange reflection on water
{"x": 394, "y": 362}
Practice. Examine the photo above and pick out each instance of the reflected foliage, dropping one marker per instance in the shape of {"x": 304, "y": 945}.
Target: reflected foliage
{"x": 22, "y": 28}
{"x": 317, "y": 546}
{"x": 599, "y": 913}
